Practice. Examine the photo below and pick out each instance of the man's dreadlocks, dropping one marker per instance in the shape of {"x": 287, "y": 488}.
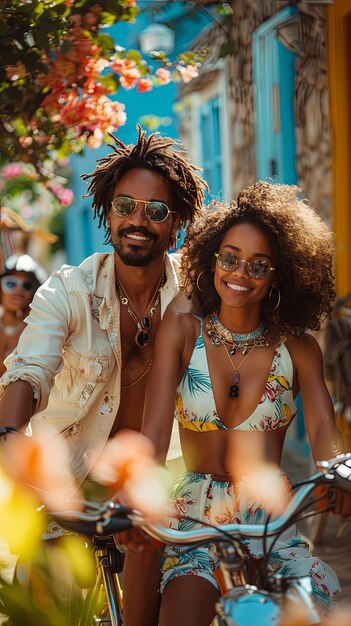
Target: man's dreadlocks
{"x": 154, "y": 152}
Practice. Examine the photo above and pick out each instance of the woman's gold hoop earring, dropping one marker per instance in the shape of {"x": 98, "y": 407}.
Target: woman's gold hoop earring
{"x": 271, "y": 300}
{"x": 198, "y": 279}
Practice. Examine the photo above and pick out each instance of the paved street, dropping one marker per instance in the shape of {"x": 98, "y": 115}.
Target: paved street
{"x": 336, "y": 551}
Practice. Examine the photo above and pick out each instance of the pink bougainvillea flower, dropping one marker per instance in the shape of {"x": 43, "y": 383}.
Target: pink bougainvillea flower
{"x": 128, "y": 466}
{"x": 65, "y": 196}
{"x": 90, "y": 113}
{"x": 187, "y": 72}
{"x": 12, "y": 170}
{"x": 95, "y": 140}
{"x": 144, "y": 84}
{"x": 122, "y": 65}
{"x": 164, "y": 76}
{"x": 129, "y": 78}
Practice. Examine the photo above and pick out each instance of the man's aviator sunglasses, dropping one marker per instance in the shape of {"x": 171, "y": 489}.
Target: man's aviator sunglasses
{"x": 155, "y": 211}
{"x": 257, "y": 268}
{"x": 11, "y": 283}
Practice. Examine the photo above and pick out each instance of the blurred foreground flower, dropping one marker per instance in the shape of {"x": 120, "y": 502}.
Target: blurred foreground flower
{"x": 297, "y": 615}
{"x": 40, "y": 463}
{"x": 266, "y": 487}
{"x": 20, "y": 524}
{"x": 46, "y": 585}
{"x": 47, "y": 588}
{"x": 129, "y": 467}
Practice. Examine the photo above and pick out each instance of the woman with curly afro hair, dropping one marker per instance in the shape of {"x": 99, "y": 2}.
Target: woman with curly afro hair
{"x": 261, "y": 271}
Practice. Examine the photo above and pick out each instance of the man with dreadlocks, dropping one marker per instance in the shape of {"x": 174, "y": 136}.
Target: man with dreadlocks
{"x": 83, "y": 361}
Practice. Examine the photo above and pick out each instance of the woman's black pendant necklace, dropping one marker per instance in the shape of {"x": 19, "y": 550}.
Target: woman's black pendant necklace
{"x": 143, "y": 323}
{"x": 234, "y": 387}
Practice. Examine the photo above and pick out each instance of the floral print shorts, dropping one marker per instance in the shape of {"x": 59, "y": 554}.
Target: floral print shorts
{"x": 216, "y": 500}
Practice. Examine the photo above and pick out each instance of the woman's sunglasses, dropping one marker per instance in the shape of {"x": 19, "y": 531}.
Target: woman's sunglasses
{"x": 11, "y": 283}
{"x": 257, "y": 268}
{"x": 155, "y": 211}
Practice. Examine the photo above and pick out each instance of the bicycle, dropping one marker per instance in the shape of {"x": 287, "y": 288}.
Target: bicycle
{"x": 249, "y": 590}
{"x": 109, "y": 564}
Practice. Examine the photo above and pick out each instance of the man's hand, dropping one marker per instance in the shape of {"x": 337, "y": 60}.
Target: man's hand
{"x": 135, "y": 540}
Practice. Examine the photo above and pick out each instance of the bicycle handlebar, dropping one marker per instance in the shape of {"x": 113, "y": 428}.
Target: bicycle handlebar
{"x": 110, "y": 517}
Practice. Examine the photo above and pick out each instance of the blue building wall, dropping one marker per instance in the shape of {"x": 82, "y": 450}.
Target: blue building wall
{"x": 82, "y": 237}
{"x": 274, "y": 82}
{"x": 274, "y": 68}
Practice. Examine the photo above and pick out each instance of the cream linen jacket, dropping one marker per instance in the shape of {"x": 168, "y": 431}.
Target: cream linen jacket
{"x": 70, "y": 353}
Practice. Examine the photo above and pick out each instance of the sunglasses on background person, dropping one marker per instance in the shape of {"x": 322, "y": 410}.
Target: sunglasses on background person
{"x": 155, "y": 211}
{"x": 257, "y": 268}
{"x": 10, "y": 283}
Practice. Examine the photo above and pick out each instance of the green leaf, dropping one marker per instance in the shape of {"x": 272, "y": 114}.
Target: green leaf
{"x": 224, "y": 8}
{"x": 110, "y": 81}
{"x": 135, "y": 55}
{"x": 159, "y": 55}
{"x": 226, "y": 49}
{"x": 105, "y": 43}
{"x": 107, "y": 18}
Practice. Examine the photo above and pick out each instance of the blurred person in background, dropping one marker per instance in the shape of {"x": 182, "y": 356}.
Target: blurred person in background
{"x": 19, "y": 281}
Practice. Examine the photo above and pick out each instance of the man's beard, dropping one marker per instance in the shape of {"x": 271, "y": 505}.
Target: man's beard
{"x": 135, "y": 256}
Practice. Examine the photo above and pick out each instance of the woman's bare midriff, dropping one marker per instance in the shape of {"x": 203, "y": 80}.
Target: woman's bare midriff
{"x": 214, "y": 452}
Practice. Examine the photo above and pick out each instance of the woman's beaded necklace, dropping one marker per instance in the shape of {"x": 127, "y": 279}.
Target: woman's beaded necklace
{"x": 220, "y": 334}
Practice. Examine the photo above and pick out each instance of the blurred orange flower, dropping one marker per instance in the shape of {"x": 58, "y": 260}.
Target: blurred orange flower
{"x": 187, "y": 72}
{"x": 164, "y": 76}
{"x": 297, "y": 615}
{"x": 128, "y": 465}
{"x": 40, "y": 462}
{"x": 144, "y": 84}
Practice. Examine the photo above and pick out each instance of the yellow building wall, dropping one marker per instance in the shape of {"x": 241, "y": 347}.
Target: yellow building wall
{"x": 339, "y": 50}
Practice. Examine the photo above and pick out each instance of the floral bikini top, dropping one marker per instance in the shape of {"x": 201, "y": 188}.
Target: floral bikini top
{"x": 195, "y": 403}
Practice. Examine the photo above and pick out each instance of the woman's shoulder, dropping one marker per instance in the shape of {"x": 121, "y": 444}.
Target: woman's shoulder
{"x": 182, "y": 304}
{"x": 303, "y": 347}
{"x": 181, "y": 320}
{"x": 177, "y": 330}
{"x": 301, "y": 341}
